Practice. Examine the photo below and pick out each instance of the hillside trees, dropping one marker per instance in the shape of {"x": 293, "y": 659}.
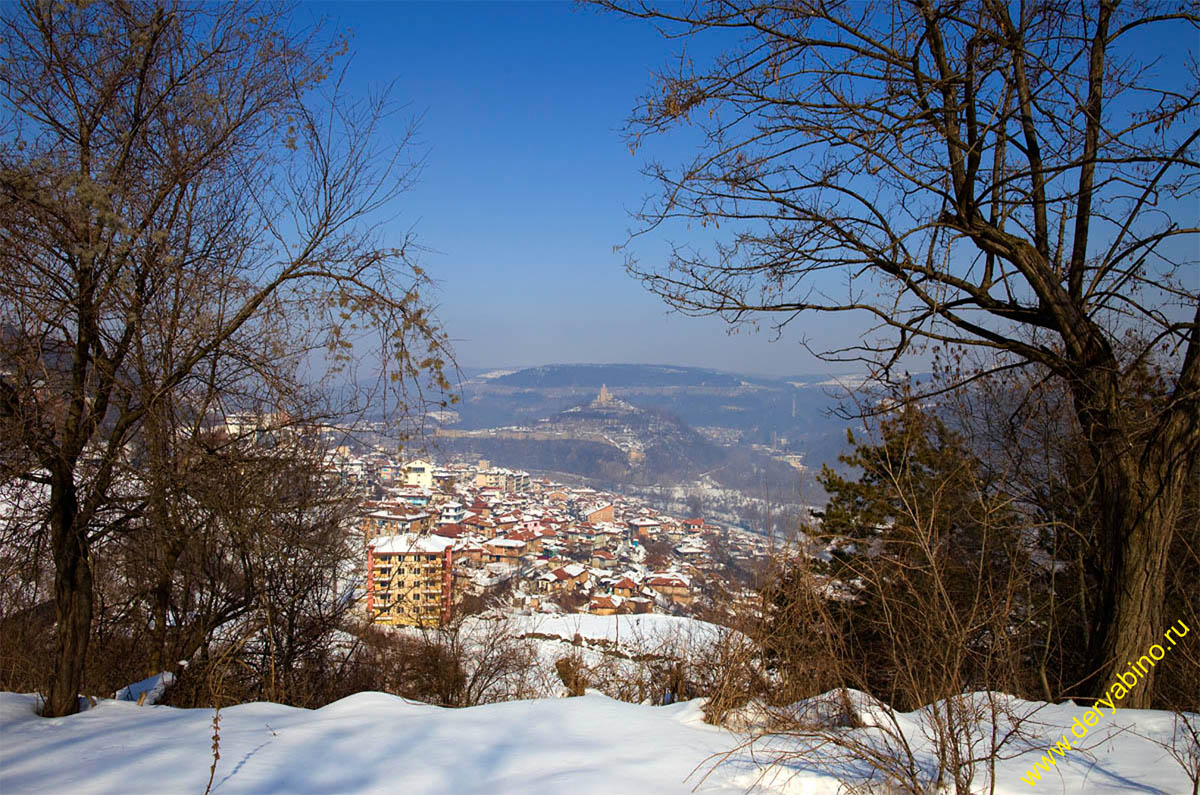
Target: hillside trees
{"x": 1019, "y": 180}
{"x": 931, "y": 553}
{"x": 1021, "y": 426}
{"x": 191, "y": 222}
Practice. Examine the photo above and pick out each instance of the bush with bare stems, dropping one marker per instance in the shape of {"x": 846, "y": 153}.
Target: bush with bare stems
{"x": 907, "y": 600}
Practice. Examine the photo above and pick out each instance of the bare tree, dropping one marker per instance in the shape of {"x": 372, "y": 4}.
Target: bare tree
{"x": 467, "y": 662}
{"x": 188, "y": 200}
{"x": 1016, "y": 178}
{"x": 1022, "y": 427}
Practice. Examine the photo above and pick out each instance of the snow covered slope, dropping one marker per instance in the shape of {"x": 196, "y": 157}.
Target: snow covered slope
{"x": 369, "y": 742}
{"x": 373, "y": 742}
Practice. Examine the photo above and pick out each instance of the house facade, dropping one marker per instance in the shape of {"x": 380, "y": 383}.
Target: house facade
{"x": 392, "y": 519}
{"x": 419, "y": 473}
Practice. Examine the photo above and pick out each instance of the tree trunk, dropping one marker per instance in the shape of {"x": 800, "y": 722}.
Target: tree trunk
{"x": 72, "y": 597}
{"x": 162, "y": 600}
{"x": 169, "y": 551}
{"x": 1141, "y": 489}
{"x": 1133, "y": 618}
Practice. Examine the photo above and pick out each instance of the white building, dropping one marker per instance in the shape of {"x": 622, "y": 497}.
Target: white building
{"x": 419, "y": 473}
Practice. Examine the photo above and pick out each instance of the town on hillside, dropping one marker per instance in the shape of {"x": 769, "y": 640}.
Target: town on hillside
{"x": 455, "y": 538}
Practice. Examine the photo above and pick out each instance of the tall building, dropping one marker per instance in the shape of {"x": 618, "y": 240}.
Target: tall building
{"x": 410, "y": 580}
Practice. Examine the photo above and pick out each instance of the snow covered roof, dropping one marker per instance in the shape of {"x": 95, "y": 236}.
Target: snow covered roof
{"x": 505, "y": 542}
{"x": 668, "y": 579}
{"x": 398, "y": 514}
{"x": 406, "y": 543}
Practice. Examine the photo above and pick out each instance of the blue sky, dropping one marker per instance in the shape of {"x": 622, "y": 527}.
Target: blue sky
{"x": 528, "y": 182}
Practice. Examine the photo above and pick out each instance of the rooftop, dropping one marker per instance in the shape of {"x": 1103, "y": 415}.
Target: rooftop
{"x": 405, "y": 543}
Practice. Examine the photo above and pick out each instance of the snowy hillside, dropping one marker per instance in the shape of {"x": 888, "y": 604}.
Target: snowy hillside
{"x": 369, "y": 742}
{"x": 373, "y": 742}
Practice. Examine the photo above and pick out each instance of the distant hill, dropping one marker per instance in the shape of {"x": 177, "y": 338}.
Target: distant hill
{"x": 615, "y": 441}
{"x": 686, "y": 423}
{"x": 617, "y": 375}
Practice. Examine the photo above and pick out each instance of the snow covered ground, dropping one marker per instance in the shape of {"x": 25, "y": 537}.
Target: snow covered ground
{"x": 369, "y": 742}
{"x": 650, "y": 628}
{"x": 373, "y": 742}
{"x": 624, "y": 657}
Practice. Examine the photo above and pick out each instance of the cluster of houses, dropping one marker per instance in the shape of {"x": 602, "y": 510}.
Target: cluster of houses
{"x": 440, "y": 534}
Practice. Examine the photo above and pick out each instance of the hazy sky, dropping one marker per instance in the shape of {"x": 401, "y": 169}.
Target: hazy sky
{"x": 528, "y": 183}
